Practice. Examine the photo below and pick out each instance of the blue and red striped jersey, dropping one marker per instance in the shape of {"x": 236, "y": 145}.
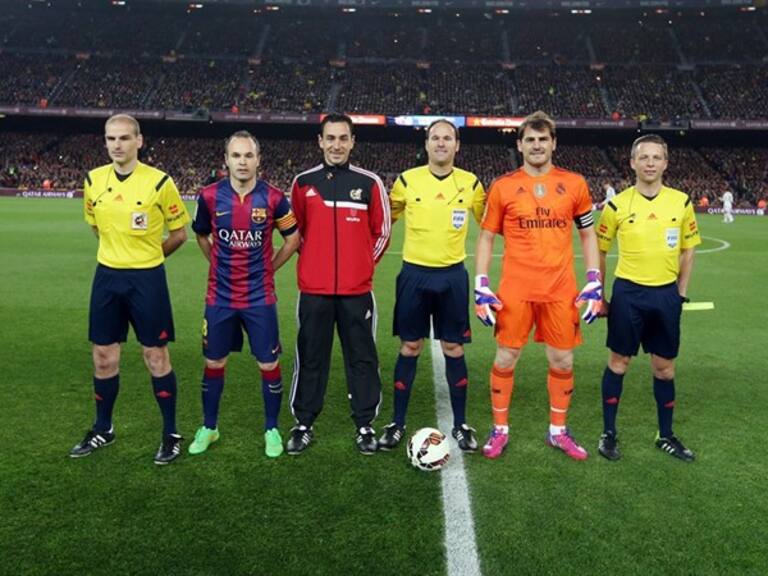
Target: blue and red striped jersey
{"x": 241, "y": 273}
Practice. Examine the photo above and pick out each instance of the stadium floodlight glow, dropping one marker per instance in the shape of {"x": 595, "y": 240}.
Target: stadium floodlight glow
{"x": 581, "y": 11}
{"x": 747, "y": 9}
{"x": 195, "y": 6}
{"x": 118, "y": 2}
{"x": 425, "y": 10}
{"x": 349, "y": 10}
{"x": 501, "y": 11}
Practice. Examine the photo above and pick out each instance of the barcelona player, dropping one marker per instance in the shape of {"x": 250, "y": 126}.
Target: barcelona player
{"x": 234, "y": 223}
{"x": 657, "y": 233}
{"x": 438, "y": 201}
{"x": 535, "y": 208}
{"x": 129, "y": 204}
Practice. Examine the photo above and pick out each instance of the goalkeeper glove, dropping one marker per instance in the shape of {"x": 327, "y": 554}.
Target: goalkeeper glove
{"x": 486, "y": 301}
{"x": 592, "y": 295}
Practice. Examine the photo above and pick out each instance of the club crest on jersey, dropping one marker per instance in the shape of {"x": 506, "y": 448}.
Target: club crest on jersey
{"x": 539, "y": 190}
{"x": 459, "y": 218}
{"x": 356, "y": 194}
{"x": 259, "y": 215}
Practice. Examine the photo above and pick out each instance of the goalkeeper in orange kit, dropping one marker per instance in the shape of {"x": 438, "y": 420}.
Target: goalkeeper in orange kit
{"x": 534, "y": 208}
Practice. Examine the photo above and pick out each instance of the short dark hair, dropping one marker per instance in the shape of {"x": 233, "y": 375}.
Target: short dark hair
{"x": 335, "y": 117}
{"x": 653, "y": 139}
{"x": 442, "y": 121}
{"x": 241, "y": 134}
{"x": 539, "y": 121}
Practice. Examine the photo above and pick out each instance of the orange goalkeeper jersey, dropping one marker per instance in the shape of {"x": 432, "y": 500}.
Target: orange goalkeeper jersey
{"x": 535, "y": 215}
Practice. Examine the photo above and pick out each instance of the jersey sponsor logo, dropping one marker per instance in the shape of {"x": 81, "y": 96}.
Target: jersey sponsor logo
{"x": 539, "y": 190}
{"x": 459, "y": 218}
{"x": 543, "y": 219}
{"x": 241, "y": 238}
{"x": 673, "y": 236}
{"x": 259, "y": 215}
{"x": 139, "y": 220}
{"x": 356, "y": 194}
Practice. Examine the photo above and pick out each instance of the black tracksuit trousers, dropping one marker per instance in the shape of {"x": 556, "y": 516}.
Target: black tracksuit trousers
{"x": 355, "y": 319}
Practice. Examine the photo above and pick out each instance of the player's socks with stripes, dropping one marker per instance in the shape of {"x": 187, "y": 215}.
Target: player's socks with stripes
{"x": 456, "y": 374}
{"x": 612, "y": 386}
{"x": 560, "y": 388}
{"x": 165, "y": 395}
{"x": 272, "y": 391}
{"x": 664, "y": 392}
{"x": 502, "y": 385}
{"x": 105, "y": 392}
{"x": 405, "y": 373}
{"x": 213, "y": 386}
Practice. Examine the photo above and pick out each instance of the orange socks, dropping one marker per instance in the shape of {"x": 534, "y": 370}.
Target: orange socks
{"x": 502, "y": 383}
{"x": 560, "y": 387}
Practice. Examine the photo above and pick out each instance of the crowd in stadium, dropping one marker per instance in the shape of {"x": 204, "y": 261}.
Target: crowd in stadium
{"x": 660, "y": 70}
{"x": 56, "y": 161}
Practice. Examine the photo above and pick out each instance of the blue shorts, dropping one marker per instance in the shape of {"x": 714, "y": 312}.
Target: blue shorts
{"x": 647, "y": 315}
{"x": 138, "y": 297}
{"x": 223, "y": 332}
{"x": 439, "y": 294}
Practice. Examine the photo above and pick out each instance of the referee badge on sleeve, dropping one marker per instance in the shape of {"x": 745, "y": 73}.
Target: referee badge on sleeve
{"x": 459, "y": 218}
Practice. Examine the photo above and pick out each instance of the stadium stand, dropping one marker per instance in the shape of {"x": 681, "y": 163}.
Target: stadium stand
{"x": 660, "y": 67}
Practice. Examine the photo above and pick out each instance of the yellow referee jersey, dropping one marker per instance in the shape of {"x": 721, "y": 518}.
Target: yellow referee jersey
{"x": 130, "y": 215}
{"x": 651, "y": 233}
{"x": 437, "y": 212}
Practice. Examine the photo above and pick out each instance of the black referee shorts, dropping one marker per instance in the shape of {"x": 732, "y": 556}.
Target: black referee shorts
{"x": 138, "y": 297}
{"x": 647, "y": 315}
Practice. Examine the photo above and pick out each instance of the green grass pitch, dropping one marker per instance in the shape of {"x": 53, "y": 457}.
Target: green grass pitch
{"x": 331, "y": 511}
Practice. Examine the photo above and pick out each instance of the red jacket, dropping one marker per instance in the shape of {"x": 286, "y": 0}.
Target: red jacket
{"x": 343, "y": 218}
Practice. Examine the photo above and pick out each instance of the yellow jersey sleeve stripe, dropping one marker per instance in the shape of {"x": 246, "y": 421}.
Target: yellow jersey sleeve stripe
{"x": 162, "y": 181}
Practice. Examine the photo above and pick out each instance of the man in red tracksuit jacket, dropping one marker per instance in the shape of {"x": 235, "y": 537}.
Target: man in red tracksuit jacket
{"x": 342, "y": 212}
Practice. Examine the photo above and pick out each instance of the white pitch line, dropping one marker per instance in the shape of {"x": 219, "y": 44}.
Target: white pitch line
{"x": 460, "y": 543}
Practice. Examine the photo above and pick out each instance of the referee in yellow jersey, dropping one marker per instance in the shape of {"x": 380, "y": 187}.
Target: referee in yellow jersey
{"x": 129, "y": 204}
{"x": 657, "y": 233}
{"x": 438, "y": 201}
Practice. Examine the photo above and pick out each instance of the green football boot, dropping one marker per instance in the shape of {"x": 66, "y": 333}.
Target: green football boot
{"x": 204, "y": 437}
{"x": 273, "y": 443}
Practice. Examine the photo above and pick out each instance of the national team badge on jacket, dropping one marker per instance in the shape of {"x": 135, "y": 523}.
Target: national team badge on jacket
{"x": 259, "y": 215}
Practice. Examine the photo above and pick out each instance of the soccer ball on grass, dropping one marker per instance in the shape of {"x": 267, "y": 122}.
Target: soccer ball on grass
{"x": 428, "y": 449}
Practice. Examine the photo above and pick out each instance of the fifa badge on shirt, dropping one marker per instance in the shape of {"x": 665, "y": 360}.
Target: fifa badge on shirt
{"x": 539, "y": 190}
{"x": 459, "y": 217}
{"x": 139, "y": 220}
{"x": 673, "y": 235}
{"x": 259, "y": 215}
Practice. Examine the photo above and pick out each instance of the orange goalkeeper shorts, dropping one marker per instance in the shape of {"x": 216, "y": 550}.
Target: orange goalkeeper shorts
{"x": 557, "y": 323}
